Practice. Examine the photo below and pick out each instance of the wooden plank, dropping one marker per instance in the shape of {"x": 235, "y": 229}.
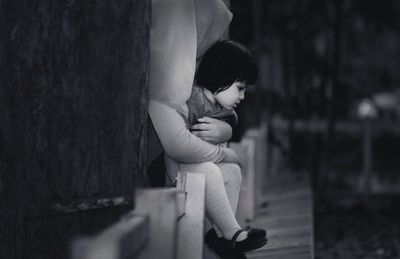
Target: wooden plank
{"x": 301, "y": 201}
{"x": 191, "y": 225}
{"x": 181, "y": 204}
{"x": 296, "y": 239}
{"x": 305, "y": 255}
{"x": 282, "y": 221}
{"x": 283, "y": 203}
{"x": 287, "y": 216}
{"x": 278, "y": 195}
{"x": 259, "y": 135}
{"x": 296, "y": 209}
{"x": 299, "y": 195}
{"x": 289, "y": 231}
{"x": 289, "y": 253}
{"x": 291, "y": 190}
{"x": 122, "y": 240}
{"x": 288, "y": 180}
{"x": 285, "y": 193}
{"x": 279, "y": 252}
{"x": 181, "y": 193}
{"x": 160, "y": 204}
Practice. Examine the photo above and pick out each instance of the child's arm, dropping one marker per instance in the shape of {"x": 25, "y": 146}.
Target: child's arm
{"x": 212, "y": 130}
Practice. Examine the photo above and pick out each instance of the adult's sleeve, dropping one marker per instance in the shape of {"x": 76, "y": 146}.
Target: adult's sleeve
{"x": 173, "y": 46}
{"x": 181, "y": 31}
{"x": 176, "y": 139}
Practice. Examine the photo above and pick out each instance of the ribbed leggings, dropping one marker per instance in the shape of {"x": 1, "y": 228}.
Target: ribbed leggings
{"x": 223, "y": 182}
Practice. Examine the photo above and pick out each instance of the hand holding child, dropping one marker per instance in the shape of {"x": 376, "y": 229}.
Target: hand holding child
{"x": 212, "y": 130}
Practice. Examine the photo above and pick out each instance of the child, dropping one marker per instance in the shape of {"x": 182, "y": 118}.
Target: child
{"x": 221, "y": 80}
{"x": 223, "y": 75}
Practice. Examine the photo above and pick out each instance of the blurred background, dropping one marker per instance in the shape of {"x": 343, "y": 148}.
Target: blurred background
{"x": 329, "y": 88}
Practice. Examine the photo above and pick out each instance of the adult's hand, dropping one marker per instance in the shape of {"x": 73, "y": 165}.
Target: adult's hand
{"x": 212, "y": 130}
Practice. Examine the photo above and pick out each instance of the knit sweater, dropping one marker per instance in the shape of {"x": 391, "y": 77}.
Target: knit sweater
{"x": 200, "y": 106}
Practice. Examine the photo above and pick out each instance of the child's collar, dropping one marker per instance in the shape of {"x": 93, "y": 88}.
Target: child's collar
{"x": 209, "y": 95}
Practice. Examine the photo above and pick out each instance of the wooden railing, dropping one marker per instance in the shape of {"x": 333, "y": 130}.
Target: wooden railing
{"x": 280, "y": 202}
{"x": 168, "y": 223}
{"x": 122, "y": 240}
{"x": 252, "y": 150}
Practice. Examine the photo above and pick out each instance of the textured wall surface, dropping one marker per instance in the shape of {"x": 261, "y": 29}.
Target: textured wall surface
{"x": 73, "y": 112}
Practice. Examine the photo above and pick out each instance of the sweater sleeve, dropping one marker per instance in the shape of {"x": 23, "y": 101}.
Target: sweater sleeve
{"x": 176, "y": 139}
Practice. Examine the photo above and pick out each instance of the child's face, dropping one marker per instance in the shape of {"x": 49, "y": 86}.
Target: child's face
{"x": 231, "y": 97}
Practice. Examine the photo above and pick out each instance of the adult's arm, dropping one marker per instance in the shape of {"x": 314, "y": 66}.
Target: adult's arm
{"x": 181, "y": 31}
{"x": 179, "y": 143}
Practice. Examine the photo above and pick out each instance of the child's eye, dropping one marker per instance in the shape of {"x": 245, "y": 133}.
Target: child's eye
{"x": 241, "y": 87}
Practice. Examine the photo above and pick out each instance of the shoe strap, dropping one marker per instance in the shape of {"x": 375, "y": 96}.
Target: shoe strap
{"x": 235, "y": 236}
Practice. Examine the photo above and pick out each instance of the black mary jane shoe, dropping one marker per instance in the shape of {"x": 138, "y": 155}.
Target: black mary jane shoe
{"x": 222, "y": 247}
{"x": 256, "y": 232}
{"x": 255, "y": 239}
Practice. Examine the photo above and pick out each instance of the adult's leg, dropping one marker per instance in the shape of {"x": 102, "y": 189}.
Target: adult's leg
{"x": 218, "y": 205}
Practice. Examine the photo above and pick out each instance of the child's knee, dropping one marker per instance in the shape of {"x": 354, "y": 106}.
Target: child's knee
{"x": 232, "y": 173}
{"x": 211, "y": 170}
{"x": 236, "y": 173}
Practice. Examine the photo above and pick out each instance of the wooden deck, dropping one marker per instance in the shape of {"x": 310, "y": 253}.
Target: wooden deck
{"x": 286, "y": 213}
{"x": 280, "y": 203}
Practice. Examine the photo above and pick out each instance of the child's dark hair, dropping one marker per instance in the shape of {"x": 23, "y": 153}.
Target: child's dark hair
{"x": 224, "y": 63}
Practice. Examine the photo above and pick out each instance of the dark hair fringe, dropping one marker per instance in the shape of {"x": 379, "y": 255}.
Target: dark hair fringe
{"x": 224, "y": 63}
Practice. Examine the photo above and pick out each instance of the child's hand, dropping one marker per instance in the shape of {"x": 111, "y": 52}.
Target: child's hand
{"x": 212, "y": 130}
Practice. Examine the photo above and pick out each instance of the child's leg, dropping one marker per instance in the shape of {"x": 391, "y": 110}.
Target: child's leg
{"x": 232, "y": 179}
{"x": 218, "y": 206}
